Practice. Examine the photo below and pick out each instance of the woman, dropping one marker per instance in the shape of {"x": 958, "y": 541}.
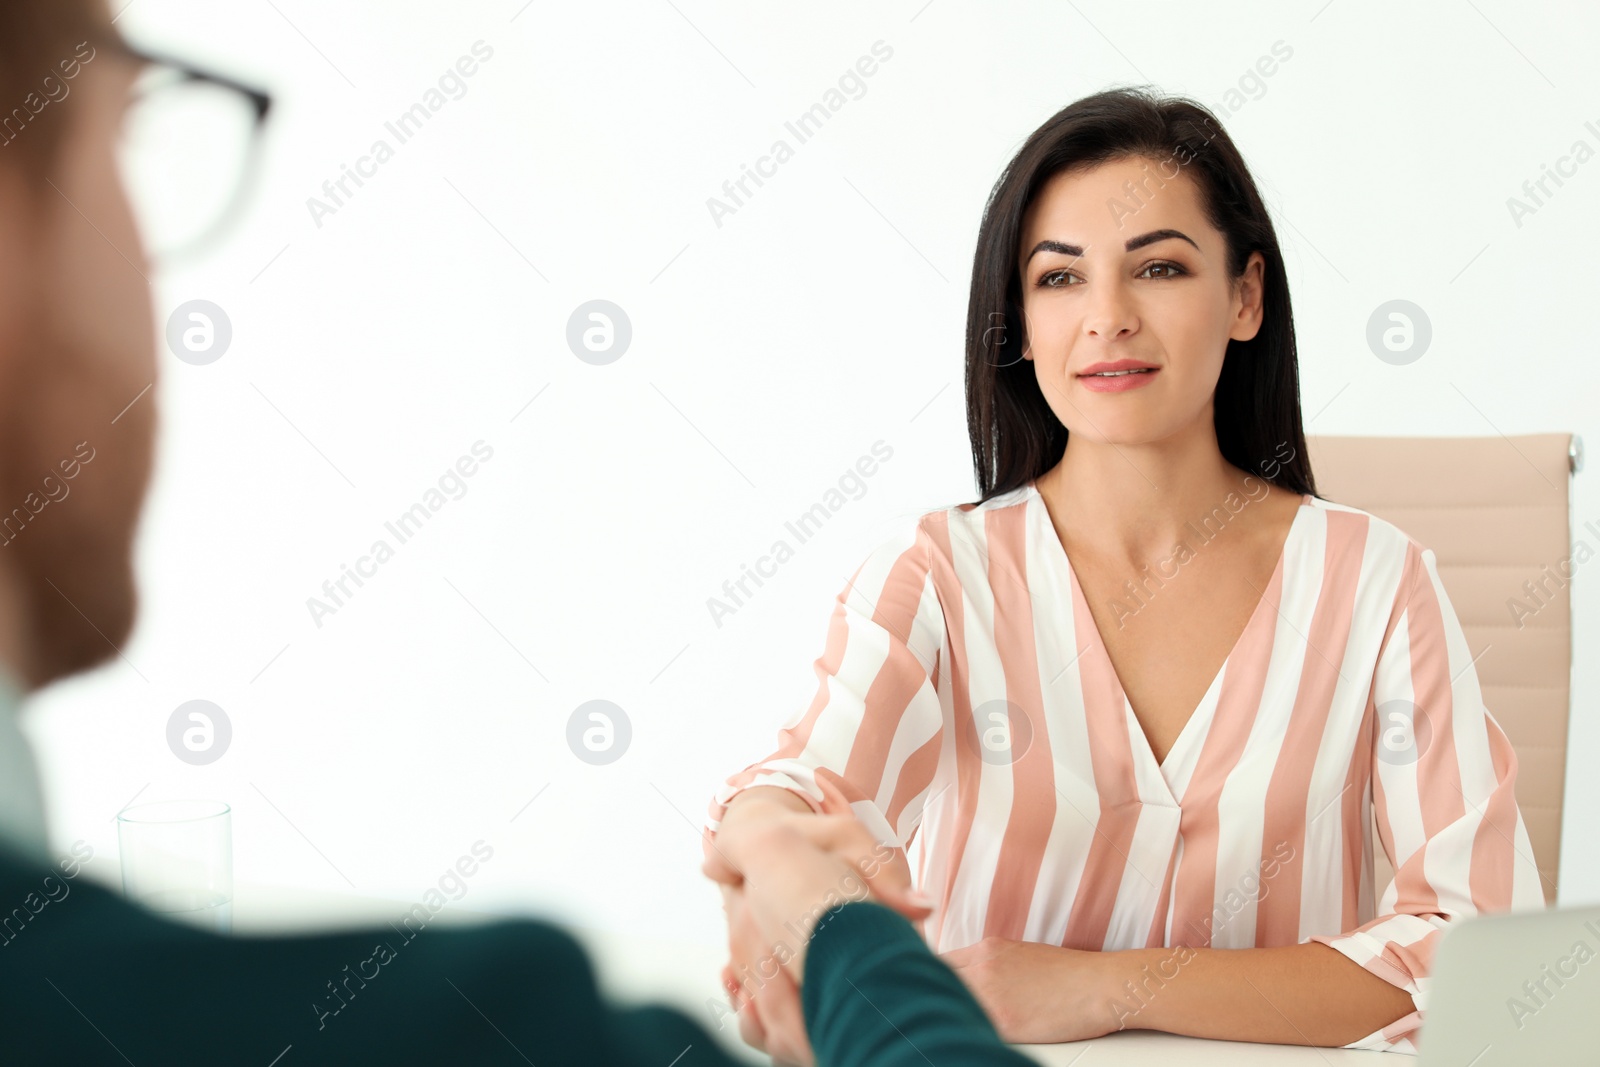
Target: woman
{"x": 1137, "y": 704}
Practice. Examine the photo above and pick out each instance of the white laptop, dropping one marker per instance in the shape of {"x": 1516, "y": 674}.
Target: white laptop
{"x": 1515, "y": 989}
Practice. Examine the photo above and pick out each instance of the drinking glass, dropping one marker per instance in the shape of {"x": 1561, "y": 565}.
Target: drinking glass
{"x": 177, "y": 859}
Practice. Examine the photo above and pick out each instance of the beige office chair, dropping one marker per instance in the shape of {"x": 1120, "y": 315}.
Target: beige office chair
{"x": 1495, "y": 511}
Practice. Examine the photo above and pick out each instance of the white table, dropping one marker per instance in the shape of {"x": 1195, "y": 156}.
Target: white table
{"x": 685, "y": 974}
{"x": 1147, "y": 1048}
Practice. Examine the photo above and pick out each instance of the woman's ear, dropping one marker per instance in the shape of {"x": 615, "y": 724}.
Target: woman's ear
{"x": 1250, "y": 292}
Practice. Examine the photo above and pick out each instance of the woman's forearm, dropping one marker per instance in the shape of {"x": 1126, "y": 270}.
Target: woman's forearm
{"x": 1308, "y": 994}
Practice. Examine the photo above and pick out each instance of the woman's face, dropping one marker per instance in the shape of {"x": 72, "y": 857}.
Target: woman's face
{"x": 1118, "y": 262}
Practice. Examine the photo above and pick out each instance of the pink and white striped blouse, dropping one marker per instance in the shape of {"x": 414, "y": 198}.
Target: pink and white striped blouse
{"x": 968, "y": 710}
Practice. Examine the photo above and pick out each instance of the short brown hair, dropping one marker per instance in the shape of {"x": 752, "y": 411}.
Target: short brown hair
{"x": 39, "y": 42}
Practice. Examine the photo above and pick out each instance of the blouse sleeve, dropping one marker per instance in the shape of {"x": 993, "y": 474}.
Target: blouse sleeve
{"x": 1443, "y": 778}
{"x": 869, "y": 741}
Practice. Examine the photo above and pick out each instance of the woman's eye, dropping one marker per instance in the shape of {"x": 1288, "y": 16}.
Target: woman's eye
{"x": 1173, "y": 269}
{"x": 1057, "y": 279}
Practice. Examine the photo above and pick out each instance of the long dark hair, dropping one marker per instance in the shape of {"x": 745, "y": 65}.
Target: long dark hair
{"x": 1016, "y": 437}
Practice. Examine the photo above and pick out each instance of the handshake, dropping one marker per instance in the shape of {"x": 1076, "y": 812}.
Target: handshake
{"x": 782, "y": 868}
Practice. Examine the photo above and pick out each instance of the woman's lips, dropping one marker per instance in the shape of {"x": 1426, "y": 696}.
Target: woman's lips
{"x": 1117, "y": 383}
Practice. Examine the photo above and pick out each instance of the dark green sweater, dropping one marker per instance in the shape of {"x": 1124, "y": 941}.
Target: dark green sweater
{"x": 87, "y": 978}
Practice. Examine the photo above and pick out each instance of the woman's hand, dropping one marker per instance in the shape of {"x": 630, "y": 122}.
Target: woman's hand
{"x": 780, "y": 871}
{"x": 1036, "y": 993}
{"x": 834, "y": 829}
{"x": 794, "y": 868}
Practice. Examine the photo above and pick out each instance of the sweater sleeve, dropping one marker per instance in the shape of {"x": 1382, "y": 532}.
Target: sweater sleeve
{"x": 875, "y": 994}
{"x": 90, "y": 979}
{"x": 1443, "y": 783}
{"x": 869, "y": 742}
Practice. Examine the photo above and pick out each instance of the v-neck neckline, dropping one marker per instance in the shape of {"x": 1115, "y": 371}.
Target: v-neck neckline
{"x": 1097, "y": 643}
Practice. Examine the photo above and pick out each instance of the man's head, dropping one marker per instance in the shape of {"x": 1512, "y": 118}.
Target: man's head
{"x": 77, "y": 343}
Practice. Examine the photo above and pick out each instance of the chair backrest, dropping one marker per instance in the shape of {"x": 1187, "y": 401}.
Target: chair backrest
{"x": 1495, "y": 511}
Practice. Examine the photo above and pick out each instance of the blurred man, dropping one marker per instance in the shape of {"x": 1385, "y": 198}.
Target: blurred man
{"x": 86, "y": 977}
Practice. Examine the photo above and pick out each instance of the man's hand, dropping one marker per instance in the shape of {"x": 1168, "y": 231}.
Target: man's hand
{"x": 767, "y": 1001}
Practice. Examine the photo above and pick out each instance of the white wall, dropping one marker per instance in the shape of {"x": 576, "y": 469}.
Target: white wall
{"x": 768, "y": 354}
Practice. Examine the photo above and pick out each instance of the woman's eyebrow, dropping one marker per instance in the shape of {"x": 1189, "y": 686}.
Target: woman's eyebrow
{"x": 1132, "y": 244}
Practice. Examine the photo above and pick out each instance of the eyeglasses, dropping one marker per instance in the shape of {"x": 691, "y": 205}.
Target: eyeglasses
{"x": 188, "y": 153}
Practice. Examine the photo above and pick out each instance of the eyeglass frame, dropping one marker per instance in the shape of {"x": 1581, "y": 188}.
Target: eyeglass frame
{"x": 260, "y": 104}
